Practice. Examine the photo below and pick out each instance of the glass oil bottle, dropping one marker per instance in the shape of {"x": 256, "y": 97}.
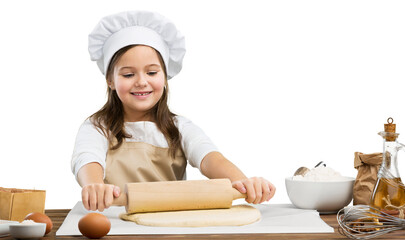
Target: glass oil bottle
{"x": 389, "y": 191}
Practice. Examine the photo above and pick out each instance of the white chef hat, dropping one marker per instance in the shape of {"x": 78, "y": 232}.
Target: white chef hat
{"x": 137, "y": 27}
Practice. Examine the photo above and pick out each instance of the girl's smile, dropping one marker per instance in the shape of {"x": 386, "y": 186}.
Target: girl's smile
{"x": 141, "y": 95}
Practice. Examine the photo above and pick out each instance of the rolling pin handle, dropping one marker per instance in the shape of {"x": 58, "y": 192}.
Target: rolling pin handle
{"x": 236, "y": 194}
{"x": 122, "y": 200}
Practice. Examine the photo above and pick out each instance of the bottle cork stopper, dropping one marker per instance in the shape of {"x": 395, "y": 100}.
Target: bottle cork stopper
{"x": 390, "y": 130}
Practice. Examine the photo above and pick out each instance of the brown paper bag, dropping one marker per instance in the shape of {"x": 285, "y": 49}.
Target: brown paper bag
{"x": 15, "y": 204}
{"x": 367, "y": 166}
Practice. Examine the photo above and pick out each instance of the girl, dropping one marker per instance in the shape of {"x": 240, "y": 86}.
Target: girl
{"x": 134, "y": 136}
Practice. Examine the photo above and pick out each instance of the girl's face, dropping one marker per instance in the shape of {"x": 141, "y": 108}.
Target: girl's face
{"x": 139, "y": 80}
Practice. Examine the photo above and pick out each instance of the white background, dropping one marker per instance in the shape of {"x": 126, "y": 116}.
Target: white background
{"x": 275, "y": 84}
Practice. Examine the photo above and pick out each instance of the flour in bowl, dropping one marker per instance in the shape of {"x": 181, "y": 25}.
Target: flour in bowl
{"x": 320, "y": 174}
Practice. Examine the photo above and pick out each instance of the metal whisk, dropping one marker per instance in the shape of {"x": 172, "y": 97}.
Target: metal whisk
{"x": 365, "y": 222}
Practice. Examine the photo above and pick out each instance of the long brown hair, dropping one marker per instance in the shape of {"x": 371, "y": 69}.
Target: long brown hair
{"x": 110, "y": 118}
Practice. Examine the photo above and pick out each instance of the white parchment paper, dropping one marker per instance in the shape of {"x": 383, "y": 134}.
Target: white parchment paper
{"x": 276, "y": 218}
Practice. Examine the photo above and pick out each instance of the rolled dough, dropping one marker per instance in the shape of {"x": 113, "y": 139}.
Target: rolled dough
{"x": 237, "y": 215}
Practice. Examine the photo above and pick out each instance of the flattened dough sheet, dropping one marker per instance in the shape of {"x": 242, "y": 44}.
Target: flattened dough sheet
{"x": 237, "y": 215}
{"x": 276, "y": 218}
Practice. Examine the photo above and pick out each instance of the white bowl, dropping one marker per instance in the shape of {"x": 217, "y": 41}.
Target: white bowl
{"x": 36, "y": 230}
{"x": 4, "y": 227}
{"x": 325, "y": 197}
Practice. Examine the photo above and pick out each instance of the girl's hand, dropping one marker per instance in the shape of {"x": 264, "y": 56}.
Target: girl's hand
{"x": 257, "y": 189}
{"x": 99, "y": 196}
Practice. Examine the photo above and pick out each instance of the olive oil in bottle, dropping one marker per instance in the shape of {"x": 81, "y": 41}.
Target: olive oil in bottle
{"x": 388, "y": 192}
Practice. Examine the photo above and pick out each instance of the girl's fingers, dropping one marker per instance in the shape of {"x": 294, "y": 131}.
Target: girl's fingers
{"x": 92, "y": 198}
{"x": 272, "y": 191}
{"x": 250, "y": 190}
{"x": 108, "y": 196}
{"x": 100, "y": 191}
{"x": 99, "y": 196}
{"x": 85, "y": 198}
{"x": 265, "y": 191}
{"x": 258, "y": 190}
{"x": 238, "y": 185}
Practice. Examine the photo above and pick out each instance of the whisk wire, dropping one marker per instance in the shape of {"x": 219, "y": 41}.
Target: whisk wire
{"x": 365, "y": 222}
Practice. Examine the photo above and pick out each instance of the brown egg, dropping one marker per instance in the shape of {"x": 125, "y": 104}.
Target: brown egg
{"x": 94, "y": 225}
{"x": 40, "y": 218}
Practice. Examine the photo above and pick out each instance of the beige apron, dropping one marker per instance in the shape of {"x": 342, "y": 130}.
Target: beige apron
{"x": 143, "y": 162}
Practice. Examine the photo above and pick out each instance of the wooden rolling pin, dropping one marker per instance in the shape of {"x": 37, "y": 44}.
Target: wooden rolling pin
{"x": 177, "y": 195}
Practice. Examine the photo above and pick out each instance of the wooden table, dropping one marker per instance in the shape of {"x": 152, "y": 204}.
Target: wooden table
{"x": 58, "y": 216}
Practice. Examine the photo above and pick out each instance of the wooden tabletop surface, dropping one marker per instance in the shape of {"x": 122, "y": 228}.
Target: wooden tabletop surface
{"x": 58, "y": 216}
